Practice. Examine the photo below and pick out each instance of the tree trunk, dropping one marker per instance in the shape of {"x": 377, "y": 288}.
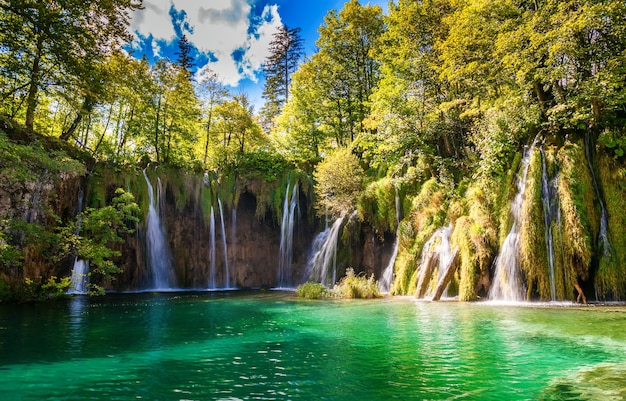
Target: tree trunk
{"x": 445, "y": 280}
{"x": 422, "y": 284}
{"x": 85, "y": 109}
{"x": 208, "y": 134}
{"x": 33, "y": 90}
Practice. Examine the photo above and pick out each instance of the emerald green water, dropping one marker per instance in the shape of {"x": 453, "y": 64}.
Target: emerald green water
{"x": 273, "y": 346}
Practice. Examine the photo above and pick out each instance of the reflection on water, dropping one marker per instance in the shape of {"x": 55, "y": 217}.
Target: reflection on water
{"x": 272, "y": 346}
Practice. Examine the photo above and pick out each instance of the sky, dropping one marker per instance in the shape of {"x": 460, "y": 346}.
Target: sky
{"x": 229, "y": 37}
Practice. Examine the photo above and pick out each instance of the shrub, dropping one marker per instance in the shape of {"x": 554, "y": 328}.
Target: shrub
{"x": 311, "y": 290}
{"x": 356, "y": 286}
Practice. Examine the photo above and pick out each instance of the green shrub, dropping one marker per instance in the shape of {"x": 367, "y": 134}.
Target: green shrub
{"x": 356, "y": 286}
{"x": 311, "y": 290}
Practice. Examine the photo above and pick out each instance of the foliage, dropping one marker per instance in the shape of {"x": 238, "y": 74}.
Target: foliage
{"x": 377, "y": 205}
{"x": 356, "y": 286}
{"x": 338, "y": 181}
{"x": 286, "y": 51}
{"x": 100, "y": 228}
{"x": 311, "y": 290}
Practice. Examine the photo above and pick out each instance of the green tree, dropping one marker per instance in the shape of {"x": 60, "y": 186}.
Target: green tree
{"x": 49, "y": 43}
{"x": 185, "y": 60}
{"x": 286, "y": 51}
{"x": 338, "y": 182}
{"x": 211, "y": 93}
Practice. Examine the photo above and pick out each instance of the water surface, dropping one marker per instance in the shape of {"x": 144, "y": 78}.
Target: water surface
{"x": 273, "y": 346}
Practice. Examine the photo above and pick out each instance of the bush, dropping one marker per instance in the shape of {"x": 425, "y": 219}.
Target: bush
{"x": 311, "y": 290}
{"x": 356, "y": 286}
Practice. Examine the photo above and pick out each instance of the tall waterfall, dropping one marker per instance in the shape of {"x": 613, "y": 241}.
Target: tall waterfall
{"x": 550, "y": 214}
{"x": 387, "y": 276}
{"x": 160, "y": 263}
{"x": 436, "y": 252}
{"x": 322, "y": 264}
{"x": 224, "y": 247}
{"x": 286, "y": 237}
{"x": 80, "y": 269}
{"x": 507, "y": 282}
{"x": 212, "y": 251}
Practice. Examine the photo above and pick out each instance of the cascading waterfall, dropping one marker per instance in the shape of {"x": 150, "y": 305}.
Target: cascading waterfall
{"x": 603, "y": 237}
{"x": 225, "y": 247}
{"x": 550, "y": 211}
{"x": 286, "y": 237}
{"x": 387, "y": 276}
{"x": 324, "y": 254}
{"x": 440, "y": 254}
{"x": 212, "y": 251}
{"x": 507, "y": 282}
{"x": 80, "y": 269}
{"x": 160, "y": 261}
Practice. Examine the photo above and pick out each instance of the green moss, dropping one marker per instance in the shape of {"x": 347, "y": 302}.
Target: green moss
{"x": 377, "y": 205}
{"x": 533, "y": 252}
{"x": 427, "y": 213}
{"x": 610, "y": 279}
{"x": 475, "y": 236}
{"x": 579, "y": 217}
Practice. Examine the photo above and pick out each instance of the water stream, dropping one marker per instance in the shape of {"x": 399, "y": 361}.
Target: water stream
{"x": 285, "y": 257}
{"x": 507, "y": 282}
{"x": 160, "y": 262}
{"x": 387, "y": 277}
{"x": 550, "y": 212}
{"x": 603, "y": 237}
{"x": 80, "y": 268}
{"x": 322, "y": 265}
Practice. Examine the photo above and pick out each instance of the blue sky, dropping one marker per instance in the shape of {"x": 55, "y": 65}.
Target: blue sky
{"x": 230, "y": 37}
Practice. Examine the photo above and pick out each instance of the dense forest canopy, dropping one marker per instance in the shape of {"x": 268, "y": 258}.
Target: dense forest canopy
{"x": 434, "y": 100}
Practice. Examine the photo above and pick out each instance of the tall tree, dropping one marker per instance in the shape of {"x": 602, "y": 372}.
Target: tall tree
{"x": 185, "y": 60}
{"x": 58, "y": 41}
{"x": 211, "y": 93}
{"x": 286, "y": 51}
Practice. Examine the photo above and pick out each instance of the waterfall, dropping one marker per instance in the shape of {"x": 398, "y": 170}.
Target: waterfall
{"x": 80, "y": 277}
{"x": 160, "y": 261}
{"x": 324, "y": 254}
{"x": 286, "y": 237}
{"x": 547, "y": 199}
{"x": 387, "y": 276}
{"x": 80, "y": 268}
{"x": 507, "y": 282}
{"x": 212, "y": 252}
{"x": 224, "y": 246}
{"x": 233, "y": 240}
{"x": 437, "y": 254}
{"x": 603, "y": 237}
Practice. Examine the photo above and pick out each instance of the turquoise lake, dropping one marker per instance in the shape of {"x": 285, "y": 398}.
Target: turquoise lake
{"x": 273, "y": 346}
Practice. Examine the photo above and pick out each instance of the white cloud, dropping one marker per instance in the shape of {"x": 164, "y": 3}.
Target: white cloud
{"x": 217, "y": 27}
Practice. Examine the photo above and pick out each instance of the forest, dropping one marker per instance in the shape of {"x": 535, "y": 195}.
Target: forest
{"x": 413, "y": 120}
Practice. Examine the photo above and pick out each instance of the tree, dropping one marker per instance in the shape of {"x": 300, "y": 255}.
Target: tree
{"x": 211, "y": 93}
{"x": 56, "y": 42}
{"x": 338, "y": 182}
{"x": 184, "y": 60}
{"x": 286, "y": 51}
{"x": 238, "y": 128}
